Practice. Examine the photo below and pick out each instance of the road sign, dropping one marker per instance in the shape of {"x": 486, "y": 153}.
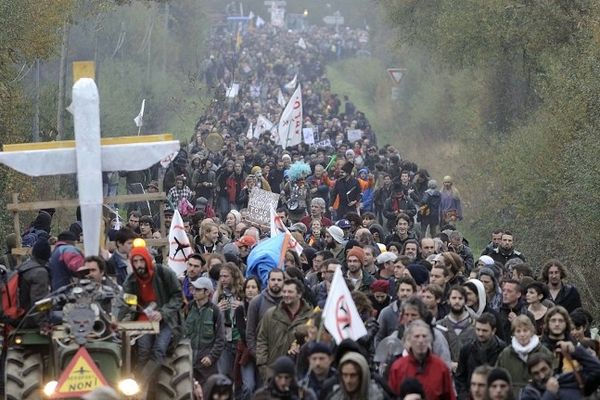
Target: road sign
{"x": 396, "y": 74}
{"x": 80, "y": 377}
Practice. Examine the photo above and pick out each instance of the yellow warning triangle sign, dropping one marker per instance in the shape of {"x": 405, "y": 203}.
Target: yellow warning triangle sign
{"x": 80, "y": 377}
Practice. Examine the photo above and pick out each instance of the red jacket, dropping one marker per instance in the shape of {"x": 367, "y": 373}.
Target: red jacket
{"x": 434, "y": 375}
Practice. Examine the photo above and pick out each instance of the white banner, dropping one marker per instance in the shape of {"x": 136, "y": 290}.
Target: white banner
{"x": 341, "y": 317}
{"x": 262, "y": 125}
{"x": 260, "y": 203}
{"x": 179, "y": 245}
{"x": 354, "y": 135}
{"x": 290, "y": 124}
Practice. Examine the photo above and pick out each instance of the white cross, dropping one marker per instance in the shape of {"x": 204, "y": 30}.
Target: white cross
{"x": 88, "y": 156}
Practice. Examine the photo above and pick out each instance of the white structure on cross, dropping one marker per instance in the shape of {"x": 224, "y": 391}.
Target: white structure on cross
{"x": 88, "y": 156}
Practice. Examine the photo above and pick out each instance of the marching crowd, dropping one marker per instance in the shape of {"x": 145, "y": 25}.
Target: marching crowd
{"x": 442, "y": 322}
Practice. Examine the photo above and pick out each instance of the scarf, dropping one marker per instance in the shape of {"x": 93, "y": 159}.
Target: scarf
{"x": 523, "y": 351}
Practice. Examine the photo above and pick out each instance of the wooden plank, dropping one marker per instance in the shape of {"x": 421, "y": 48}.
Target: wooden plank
{"x": 71, "y": 203}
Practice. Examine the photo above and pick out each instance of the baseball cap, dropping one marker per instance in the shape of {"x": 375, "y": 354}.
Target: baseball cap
{"x": 203, "y": 283}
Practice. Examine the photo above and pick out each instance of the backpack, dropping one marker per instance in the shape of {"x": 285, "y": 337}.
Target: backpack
{"x": 11, "y": 307}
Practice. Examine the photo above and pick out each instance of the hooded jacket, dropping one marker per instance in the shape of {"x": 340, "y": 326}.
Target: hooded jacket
{"x": 369, "y": 389}
{"x": 257, "y": 308}
{"x": 494, "y": 301}
{"x": 166, "y": 287}
{"x": 482, "y": 298}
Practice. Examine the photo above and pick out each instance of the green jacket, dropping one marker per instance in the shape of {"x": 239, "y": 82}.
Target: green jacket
{"x": 169, "y": 297}
{"x": 510, "y": 360}
{"x": 204, "y": 327}
{"x": 276, "y": 332}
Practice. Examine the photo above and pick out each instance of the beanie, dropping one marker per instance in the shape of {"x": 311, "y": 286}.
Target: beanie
{"x": 319, "y": 347}
{"x": 419, "y": 273}
{"x": 380, "y": 286}
{"x": 284, "y": 365}
{"x": 499, "y": 374}
{"x": 411, "y": 386}
{"x": 356, "y": 252}
{"x": 41, "y": 249}
{"x": 486, "y": 260}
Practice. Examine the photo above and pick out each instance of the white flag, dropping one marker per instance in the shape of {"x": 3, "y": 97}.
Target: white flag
{"x": 259, "y": 22}
{"x": 251, "y": 15}
{"x": 139, "y": 120}
{"x": 280, "y": 99}
{"x": 179, "y": 245}
{"x": 278, "y": 227}
{"x": 290, "y": 124}
{"x": 292, "y": 84}
{"x": 302, "y": 44}
{"x": 233, "y": 90}
{"x": 250, "y": 133}
{"x": 341, "y": 317}
{"x": 262, "y": 125}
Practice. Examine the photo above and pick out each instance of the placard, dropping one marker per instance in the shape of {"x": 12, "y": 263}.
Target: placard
{"x": 309, "y": 137}
{"x": 259, "y": 206}
{"x": 354, "y": 135}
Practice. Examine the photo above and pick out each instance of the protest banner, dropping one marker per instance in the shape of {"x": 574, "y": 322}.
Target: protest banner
{"x": 354, "y": 135}
{"x": 259, "y": 206}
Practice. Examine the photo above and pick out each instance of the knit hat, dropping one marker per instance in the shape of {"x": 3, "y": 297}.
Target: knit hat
{"x": 499, "y": 374}
{"x": 283, "y": 365}
{"x": 356, "y": 252}
{"x": 67, "y": 236}
{"x": 411, "y": 386}
{"x": 486, "y": 260}
{"x": 348, "y": 167}
{"x": 386, "y": 256}
{"x": 336, "y": 233}
{"x": 419, "y": 273}
{"x": 201, "y": 202}
{"x": 380, "y": 286}
{"x": 319, "y": 347}
{"x": 349, "y": 152}
{"x": 41, "y": 249}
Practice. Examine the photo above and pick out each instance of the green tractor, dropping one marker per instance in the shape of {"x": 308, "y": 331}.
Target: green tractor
{"x": 87, "y": 350}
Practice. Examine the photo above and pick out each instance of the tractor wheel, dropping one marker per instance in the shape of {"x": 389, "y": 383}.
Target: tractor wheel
{"x": 175, "y": 379}
{"x": 23, "y": 375}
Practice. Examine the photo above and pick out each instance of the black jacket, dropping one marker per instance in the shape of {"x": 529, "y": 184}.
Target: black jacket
{"x": 473, "y": 355}
{"x": 568, "y": 297}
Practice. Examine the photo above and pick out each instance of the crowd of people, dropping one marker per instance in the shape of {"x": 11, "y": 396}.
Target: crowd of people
{"x": 442, "y": 322}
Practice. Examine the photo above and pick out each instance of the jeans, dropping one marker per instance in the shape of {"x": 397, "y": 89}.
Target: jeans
{"x": 154, "y": 347}
{"x": 248, "y": 380}
{"x": 225, "y": 362}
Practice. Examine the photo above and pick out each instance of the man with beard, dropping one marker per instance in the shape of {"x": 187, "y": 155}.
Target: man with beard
{"x": 346, "y": 192}
{"x": 159, "y": 300}
{"x": 458, "y": 323}
{"x": 361, "y": 279}
{"x": 278, "y": 326}
{"x": 566, "y": 385}
{"x": 483, "y": 351}
{"x": 411, "y": 250}
{"x": 320, "y": 360}
{"x": 388, "y": 318}
{"x": 259, "y": 305}
{"x": 553, "y": 273}
{"x": 506, "y": 251}
{"x": 334, "y": 242}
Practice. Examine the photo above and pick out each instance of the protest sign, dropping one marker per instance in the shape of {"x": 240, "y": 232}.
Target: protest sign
{"x": 259, "y": 206}
{"x": 354, "y": 135}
